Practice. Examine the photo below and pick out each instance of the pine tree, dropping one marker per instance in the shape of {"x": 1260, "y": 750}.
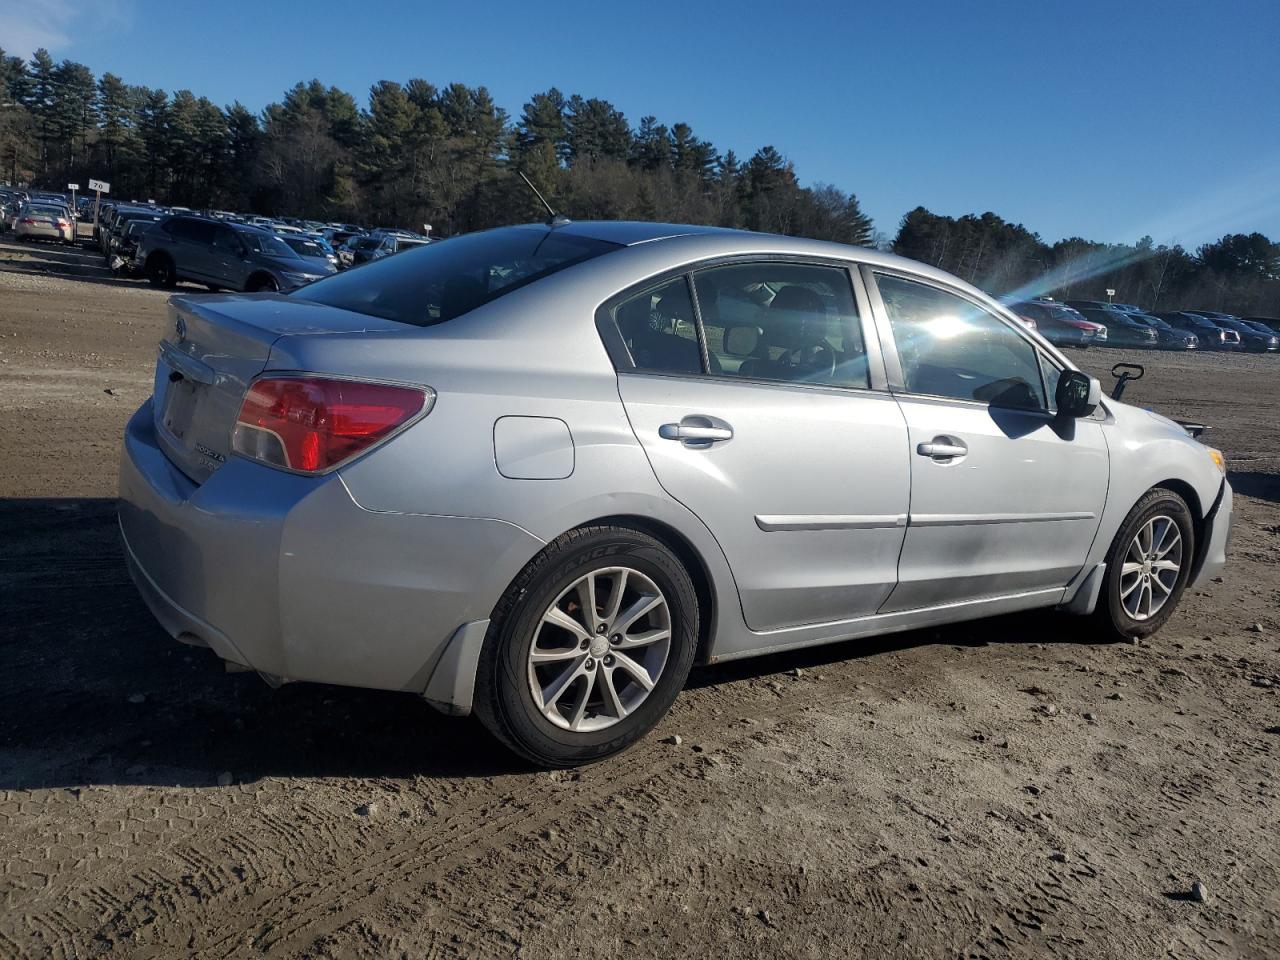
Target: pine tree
{"x": 542, "y": 122}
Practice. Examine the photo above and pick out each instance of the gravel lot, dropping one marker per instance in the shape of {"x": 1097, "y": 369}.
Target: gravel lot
{"x": 1004, "y": 788}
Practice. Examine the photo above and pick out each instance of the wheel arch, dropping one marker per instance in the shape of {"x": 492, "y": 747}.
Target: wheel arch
{"x": 1201, "y": 520}
{"x": 255, "y": 280}
{"x": 687, "y": 554}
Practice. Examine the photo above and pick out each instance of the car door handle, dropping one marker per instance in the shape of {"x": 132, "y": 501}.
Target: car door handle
{"x": 942, "y": 448}
{"x": 695, "y": 433}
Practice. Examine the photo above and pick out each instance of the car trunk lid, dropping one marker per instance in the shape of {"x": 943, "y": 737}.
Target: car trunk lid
{"x": 212, "y": 350}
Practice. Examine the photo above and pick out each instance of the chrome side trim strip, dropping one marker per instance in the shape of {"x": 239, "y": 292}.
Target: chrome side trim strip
{"x": 973, "y": 519}
{"x": 805, "y": 521}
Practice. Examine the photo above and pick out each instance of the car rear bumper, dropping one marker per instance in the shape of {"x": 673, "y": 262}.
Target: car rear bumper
{"x": 290, "y": 576}
{"x": 43, "y": 233}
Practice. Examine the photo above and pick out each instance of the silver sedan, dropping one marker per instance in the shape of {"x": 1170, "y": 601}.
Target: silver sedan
{"x": 37, "y": 222}
{"x": 536, "y": 473}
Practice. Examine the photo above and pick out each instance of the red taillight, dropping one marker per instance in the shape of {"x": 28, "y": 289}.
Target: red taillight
{"x": 27, "y": 221}
{"x": 311, "y": 424}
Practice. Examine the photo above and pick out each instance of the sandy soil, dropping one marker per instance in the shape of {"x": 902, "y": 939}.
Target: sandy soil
{"x": 1006, "y": 788}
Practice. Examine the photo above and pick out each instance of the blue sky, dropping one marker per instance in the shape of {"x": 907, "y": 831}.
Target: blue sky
{"x": 1106, "y": 120}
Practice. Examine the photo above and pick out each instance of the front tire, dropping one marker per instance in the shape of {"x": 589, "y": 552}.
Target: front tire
{"x": 588, "y": 648}
{"x": 265, "y": 284}
{"x": 1148, "y": 566}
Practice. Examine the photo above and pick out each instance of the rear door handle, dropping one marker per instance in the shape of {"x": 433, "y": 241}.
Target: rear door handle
{"x": 943, "y": 448}
{"x": 699, "y": 432}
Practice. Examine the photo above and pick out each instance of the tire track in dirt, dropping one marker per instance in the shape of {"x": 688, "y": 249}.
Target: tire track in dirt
{"x": 165, "y": 902}
{"x": 408, "y": 860}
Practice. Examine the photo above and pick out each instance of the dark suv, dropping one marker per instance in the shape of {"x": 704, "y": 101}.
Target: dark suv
{"x": 1212, "y": 336}
{"x": 1253, "y": 338}
{"x": 1123, "y": 330}
{"x": 222, "y": 256}
{"x": 1168, "y": 337}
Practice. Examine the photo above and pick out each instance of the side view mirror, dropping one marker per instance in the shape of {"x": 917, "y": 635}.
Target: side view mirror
{"x": 1078, "y": 394}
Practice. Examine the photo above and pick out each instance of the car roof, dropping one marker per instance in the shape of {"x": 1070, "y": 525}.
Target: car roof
{"x": 632, "y": 233}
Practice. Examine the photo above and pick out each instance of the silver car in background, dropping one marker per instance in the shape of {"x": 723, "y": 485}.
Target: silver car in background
{"x": 37, "y": 221}
{"x": 535, "y": 473}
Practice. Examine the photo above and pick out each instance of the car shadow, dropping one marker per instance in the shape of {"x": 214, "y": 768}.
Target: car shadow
{"x": 1261, "y": 486}
{"x": 1035, "y": 626}
{"x": 93, "y": 691}
{"x": 64, "y": 263}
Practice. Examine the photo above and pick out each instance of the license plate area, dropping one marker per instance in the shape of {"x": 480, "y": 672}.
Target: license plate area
{"x": 180, "y": 400}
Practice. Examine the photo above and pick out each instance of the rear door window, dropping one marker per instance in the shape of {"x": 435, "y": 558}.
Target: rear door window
{"x": 791, "y": 322}
{"x": 658, "y": 328}
{"x": 193, "y": 231}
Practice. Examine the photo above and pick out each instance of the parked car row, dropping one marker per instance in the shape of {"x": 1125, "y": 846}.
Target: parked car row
{"x": 224, "y": 250}
{"x": 1085, "y": 323}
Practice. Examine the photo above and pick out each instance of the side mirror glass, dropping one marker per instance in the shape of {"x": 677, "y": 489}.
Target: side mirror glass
{"x": 1078, "y": 394}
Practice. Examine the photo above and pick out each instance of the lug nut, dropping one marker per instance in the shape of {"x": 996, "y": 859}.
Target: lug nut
{"x": 591, "y": 663}
{"x": 584, "y": 644}
{"x": 616, "y": 639}
{"x": 608, "y": 661}
{"x": 602, "y": 628}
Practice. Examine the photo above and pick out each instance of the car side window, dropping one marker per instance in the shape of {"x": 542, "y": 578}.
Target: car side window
{"x": 797, "y": 323}
{"x": 193, "y": 231}
{"x": 658, "y": 328}
{"x": 225, "y": 239}
{"x": 950, "y": 347}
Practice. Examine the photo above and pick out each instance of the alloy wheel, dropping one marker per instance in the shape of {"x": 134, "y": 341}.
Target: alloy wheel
{"x": 599, "y": 649}
{"x": 1150, "y": 568}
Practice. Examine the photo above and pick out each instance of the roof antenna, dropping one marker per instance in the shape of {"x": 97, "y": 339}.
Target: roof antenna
{"x": 553, "y": 219}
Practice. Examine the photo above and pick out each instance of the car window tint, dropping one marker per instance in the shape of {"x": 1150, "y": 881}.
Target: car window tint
{"x": 261, "y": 242}
{"x": 950, "y": 347}
{"x": 307, "y": 248}
{"x": 658, "y": 328}
{"x": 225, "y": 239}
{"x": 440, "y": 281}
{"x": 795, "y": 323}
{"x": 196, "y": 231}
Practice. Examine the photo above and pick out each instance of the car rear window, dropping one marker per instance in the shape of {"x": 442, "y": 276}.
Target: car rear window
{"x": 439, "y": 281}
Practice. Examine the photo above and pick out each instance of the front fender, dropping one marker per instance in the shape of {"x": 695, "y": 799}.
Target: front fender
{"x": 1148, "y": 451}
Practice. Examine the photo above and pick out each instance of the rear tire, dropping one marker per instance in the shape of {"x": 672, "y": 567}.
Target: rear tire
{"x": 540, "y": 634}
{"x": 1140, "y": 591}
{"x": 160, "y": 273}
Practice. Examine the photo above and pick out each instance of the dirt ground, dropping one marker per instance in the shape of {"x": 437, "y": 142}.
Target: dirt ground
{"x": 1005, "y": 788}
